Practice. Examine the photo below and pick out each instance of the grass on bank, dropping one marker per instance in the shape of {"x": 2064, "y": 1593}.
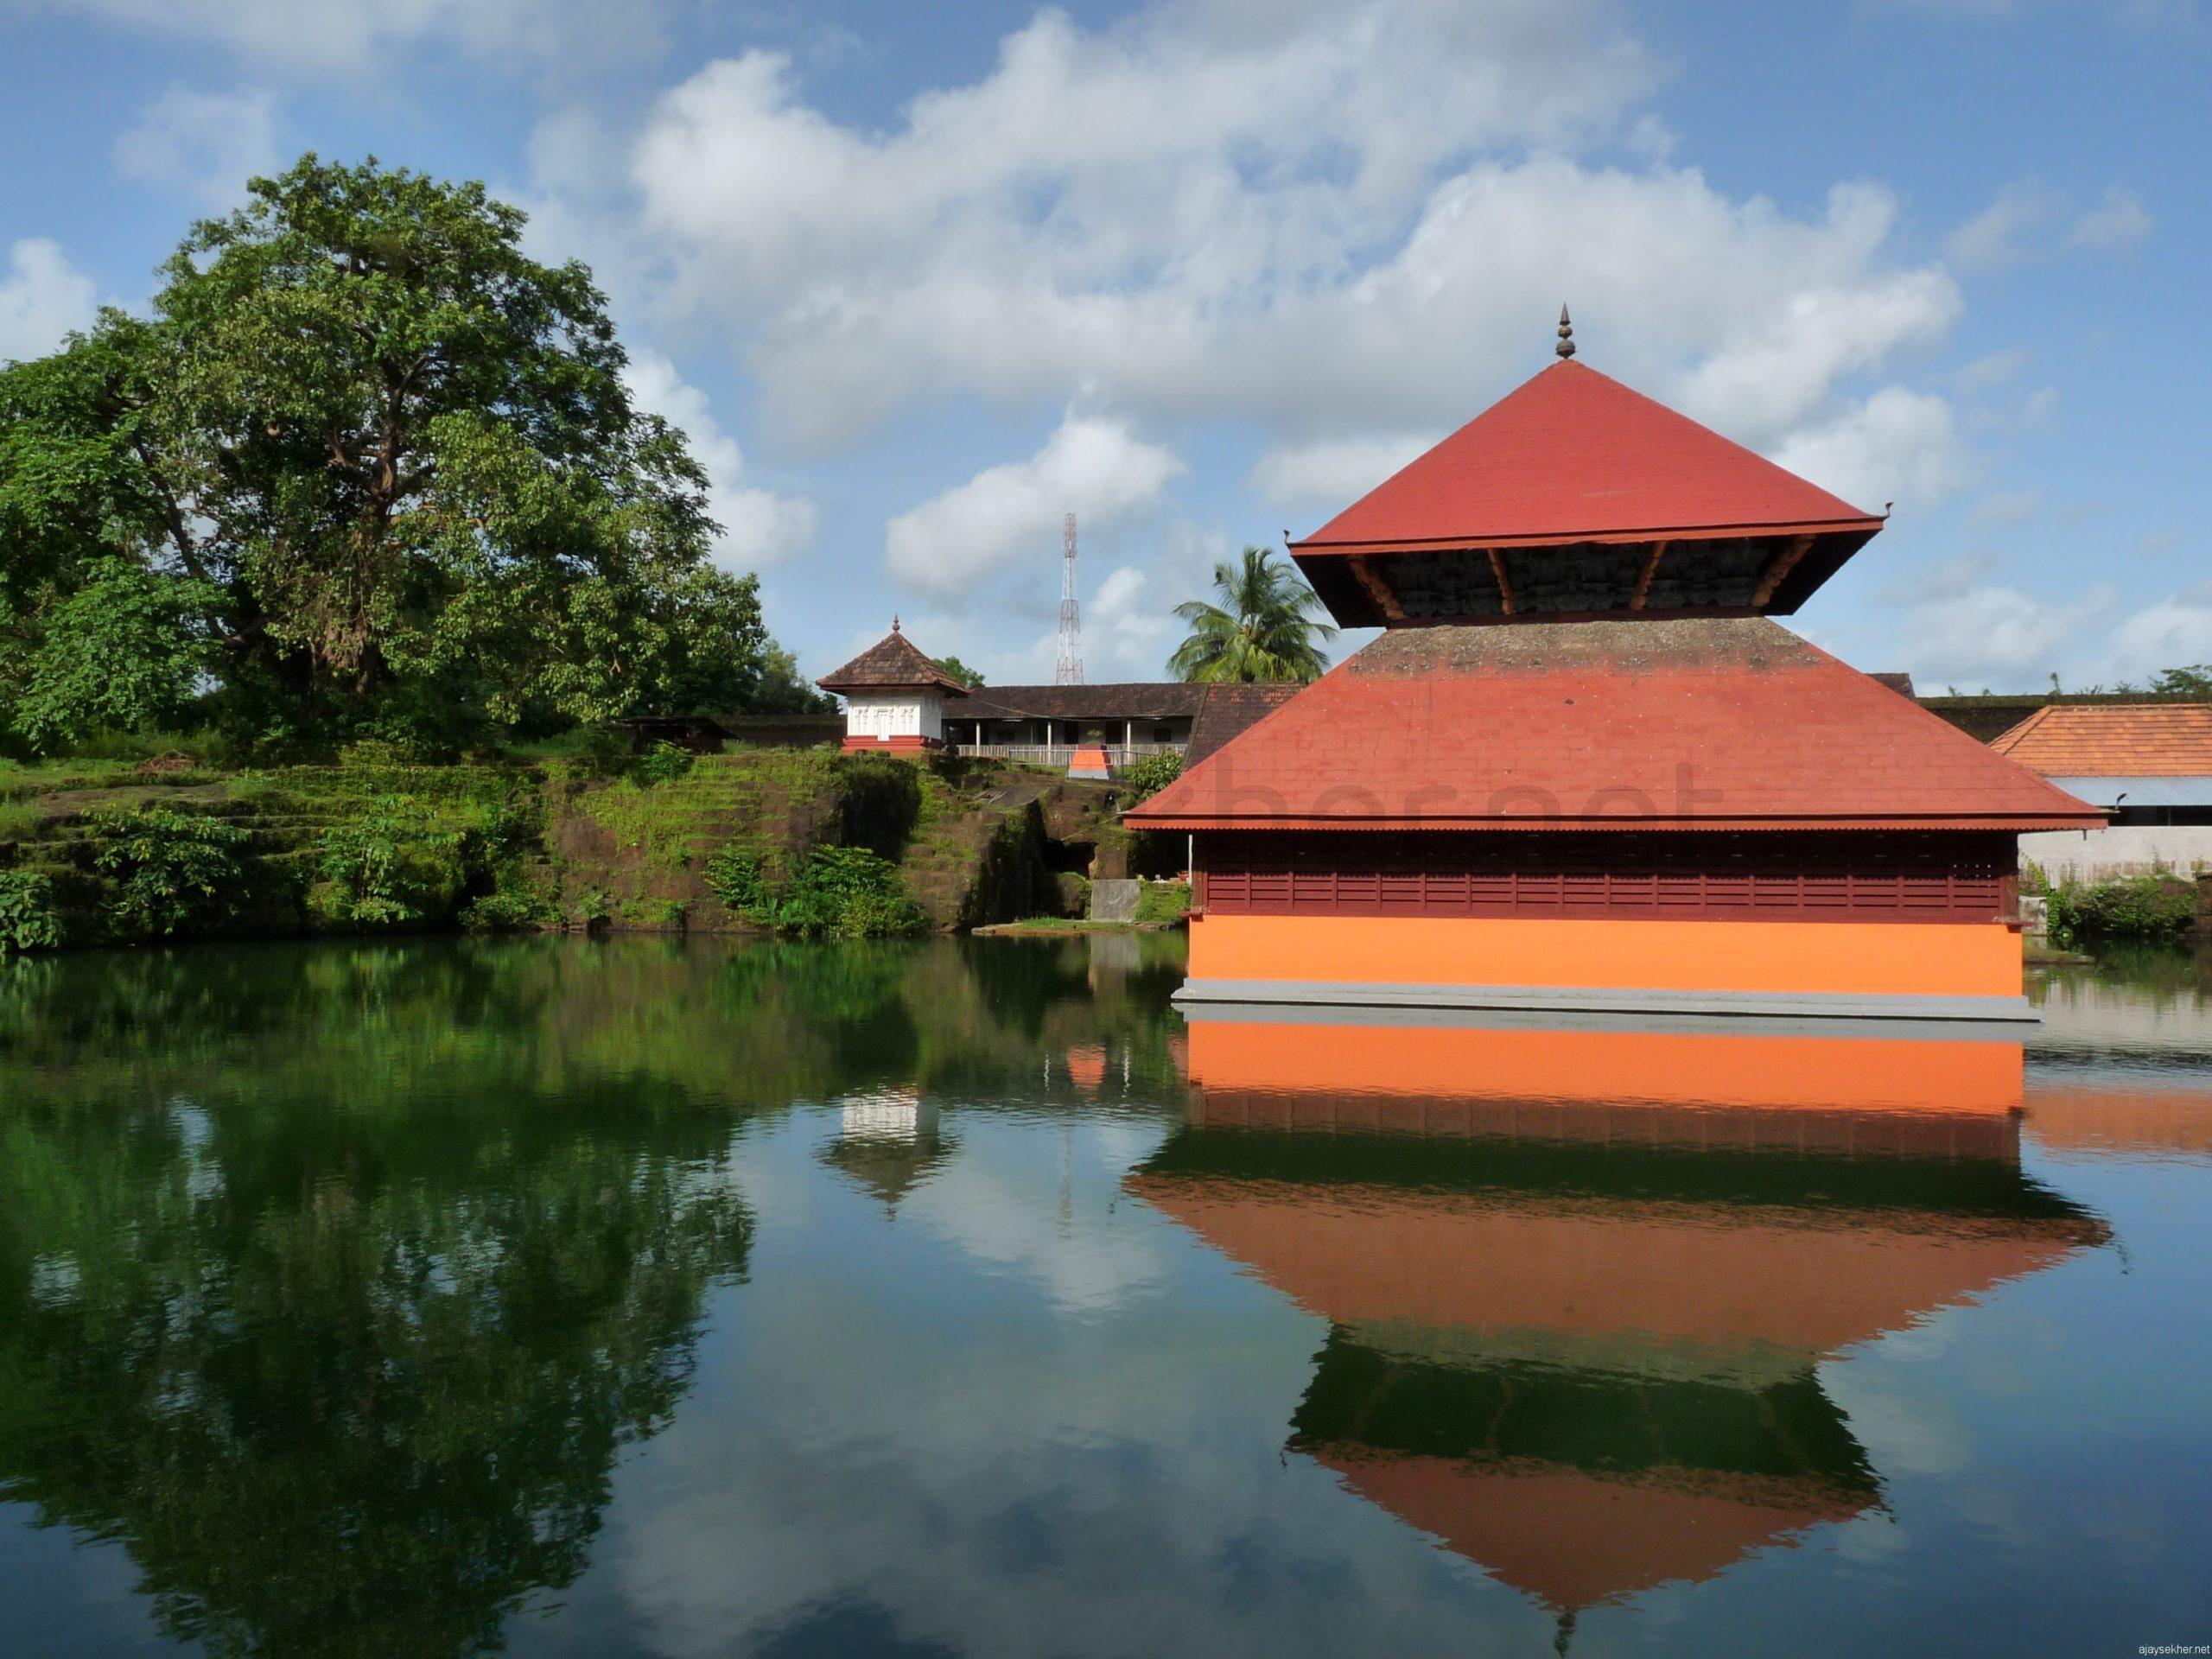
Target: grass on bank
{"x": 1160, "y": 905}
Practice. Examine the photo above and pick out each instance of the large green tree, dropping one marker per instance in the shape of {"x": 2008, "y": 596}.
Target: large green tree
{"x": 391, "y": 464}
{"x": 1263, "y": 628}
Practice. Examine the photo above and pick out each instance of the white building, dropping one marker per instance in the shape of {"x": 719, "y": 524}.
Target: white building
{"x": 2148, "y": 764}
{"x": 894, "y": 696}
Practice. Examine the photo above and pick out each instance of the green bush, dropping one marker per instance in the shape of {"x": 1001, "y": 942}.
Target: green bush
{"x": 734, "y": 876}
{"x": 1163, "y": 901}
{"x": 879, "y": 800}
{"x": 27, "y": 917}
{"x": 509, "y": 911}
{"x": 848, "y": 893}
{"x": 843, "y": 893}
{"x": 663, "y": 763}
{"x": 171, "y": 871}
{"x": 2156, "y": 906}
{"x": 396, "y": 864}
{"x": 1142, "y": 779}
{"x": 20, "y": 820}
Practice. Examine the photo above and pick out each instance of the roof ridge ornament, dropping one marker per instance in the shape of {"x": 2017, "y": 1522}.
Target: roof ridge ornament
{"x": 1566, "y": 346}
{"x": 894, "y": 621}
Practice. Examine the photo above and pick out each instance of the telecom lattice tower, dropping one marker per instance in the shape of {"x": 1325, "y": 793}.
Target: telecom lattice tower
{"x": 1068, "y": 670}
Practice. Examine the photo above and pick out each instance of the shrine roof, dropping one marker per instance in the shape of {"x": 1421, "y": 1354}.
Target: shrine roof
{"x": 893, "y": 663}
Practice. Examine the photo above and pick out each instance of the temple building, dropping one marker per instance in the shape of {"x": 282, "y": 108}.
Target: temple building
{"x": 898, "y": 698}
{"x": 894, "y": 696}
{"x": 1583, "y": 766}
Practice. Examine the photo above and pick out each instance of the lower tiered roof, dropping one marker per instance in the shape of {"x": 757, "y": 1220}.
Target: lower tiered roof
{"x": 1710, "y": 723}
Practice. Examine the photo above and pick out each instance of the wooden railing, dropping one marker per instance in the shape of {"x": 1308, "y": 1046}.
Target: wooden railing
{"x": 1060, "y": 756}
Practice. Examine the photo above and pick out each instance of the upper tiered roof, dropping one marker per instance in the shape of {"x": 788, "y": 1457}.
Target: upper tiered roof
{"x": 1575, "y": 496}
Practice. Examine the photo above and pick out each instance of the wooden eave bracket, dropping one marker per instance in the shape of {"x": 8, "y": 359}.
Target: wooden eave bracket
{"x": 1784, "y": 562}
{"x": 1505, "y": 581}
{"x": 1378, "y": 590}
{"x": 1650, "y": 569}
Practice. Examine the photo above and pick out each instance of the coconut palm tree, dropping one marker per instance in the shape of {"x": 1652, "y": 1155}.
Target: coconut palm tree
{"x": 1263, "y": 629}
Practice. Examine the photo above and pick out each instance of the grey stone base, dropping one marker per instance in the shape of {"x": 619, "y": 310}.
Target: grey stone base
{"x": 1114, "y": 900}
{"x": 1553, "y": 1000}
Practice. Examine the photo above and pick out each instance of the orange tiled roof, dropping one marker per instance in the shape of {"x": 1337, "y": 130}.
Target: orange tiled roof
{"x": 1713, "y": 723}
{"x": 2129, "y": 740}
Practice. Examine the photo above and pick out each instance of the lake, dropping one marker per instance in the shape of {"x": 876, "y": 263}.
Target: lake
{"x": 647, "y": 1296}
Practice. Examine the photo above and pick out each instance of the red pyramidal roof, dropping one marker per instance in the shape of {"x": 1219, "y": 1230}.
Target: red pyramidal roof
{"x": 1573, "y": 456}
{"x": 1714, "y": 722}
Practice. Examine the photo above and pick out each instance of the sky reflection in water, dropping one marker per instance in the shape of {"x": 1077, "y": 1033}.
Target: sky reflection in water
{"x": 717, "y": 1298}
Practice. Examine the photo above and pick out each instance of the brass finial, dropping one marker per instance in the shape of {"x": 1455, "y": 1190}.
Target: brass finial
{"x": 894, "y": 621}
{"x": 1566, "y": 346}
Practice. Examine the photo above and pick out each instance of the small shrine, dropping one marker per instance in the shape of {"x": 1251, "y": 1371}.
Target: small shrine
{"x": 894, "y": 696}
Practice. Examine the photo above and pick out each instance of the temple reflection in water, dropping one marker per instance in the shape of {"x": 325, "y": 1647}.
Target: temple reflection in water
{"x": 1580, "y": 1282}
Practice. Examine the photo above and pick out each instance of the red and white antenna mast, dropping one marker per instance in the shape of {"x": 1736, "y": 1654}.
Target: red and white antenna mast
{"x": 1068, "y": 670}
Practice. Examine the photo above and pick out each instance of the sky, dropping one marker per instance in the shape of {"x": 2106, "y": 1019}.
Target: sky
{"x": 917, "y": 281}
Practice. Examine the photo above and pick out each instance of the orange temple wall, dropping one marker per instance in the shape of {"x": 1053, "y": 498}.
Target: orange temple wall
{"x": 1820, "y": 958}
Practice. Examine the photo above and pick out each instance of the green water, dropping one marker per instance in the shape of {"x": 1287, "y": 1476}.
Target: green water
{"x": 714, "y": 1298}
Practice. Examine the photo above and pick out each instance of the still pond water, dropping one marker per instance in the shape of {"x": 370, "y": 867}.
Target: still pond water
{"x": 714, "y": 1298}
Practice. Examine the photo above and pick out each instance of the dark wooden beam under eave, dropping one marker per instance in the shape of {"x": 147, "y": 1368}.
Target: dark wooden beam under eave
{"x": 1778, "y": 571}
{"x": 1505, "y": 581}
{"x": 1378, "y": 590}
{"x": 1644, "y": 581}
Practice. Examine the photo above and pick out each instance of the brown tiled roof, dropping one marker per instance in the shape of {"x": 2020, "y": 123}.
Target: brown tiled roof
{"x": 893, "y": 662}
{"x": 1129, "y": 699}
{"x": 1717, "y": 722}
{"x": 1230, "y": 710}
{"x": 2139, "y": 739}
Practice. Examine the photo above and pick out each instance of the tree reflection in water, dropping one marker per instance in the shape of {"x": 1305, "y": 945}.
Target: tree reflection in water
{"x": 334, "y": 1280}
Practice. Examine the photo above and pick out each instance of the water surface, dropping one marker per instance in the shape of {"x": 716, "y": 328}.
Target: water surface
{"x": 718, "y": 1297}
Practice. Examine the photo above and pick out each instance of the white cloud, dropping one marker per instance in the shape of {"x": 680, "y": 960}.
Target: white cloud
{"x": 1996, "y": 369}
{"x": 2008, "y": 508}
{"x": 1962, "y": 629}
{"x": 760, "y": 529}
{"x": 1896, "y": 446}
{"x": 202, "y": 145}
{"x": 1995, "y": 236}
{"x": 1334, "y": 472}
{"x": 334, "y": 35}
{"x": 1129, "y": 628}
{"x": 42, "y": 297}
{"x": 2118, "y": 220}
{"x": 2175, "y": 633}
{"x": 1138, "y": 208}
{"x": 2029, "y": 220}
{"x": 1094, "y": 467}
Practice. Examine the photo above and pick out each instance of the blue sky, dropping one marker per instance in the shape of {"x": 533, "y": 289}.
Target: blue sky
{"x": 920, "y": 280}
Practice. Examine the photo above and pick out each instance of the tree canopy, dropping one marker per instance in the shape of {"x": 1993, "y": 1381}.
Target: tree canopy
{"x": 366, "y": 469}
{"x": 960, "y": 671}
{"x": 1263, "y": 628}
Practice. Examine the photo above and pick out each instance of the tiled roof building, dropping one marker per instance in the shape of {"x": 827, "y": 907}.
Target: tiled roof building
{"x": 2141, "y": 740}
{"x": 1582, "y": 767}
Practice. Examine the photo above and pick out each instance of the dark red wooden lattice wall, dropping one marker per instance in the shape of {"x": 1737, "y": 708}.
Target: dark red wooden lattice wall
{"x": 1776, "y": 876}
